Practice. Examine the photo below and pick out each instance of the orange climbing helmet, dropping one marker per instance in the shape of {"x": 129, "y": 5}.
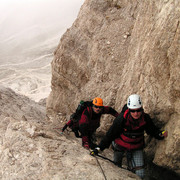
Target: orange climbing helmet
{"x": 98, "y": 101}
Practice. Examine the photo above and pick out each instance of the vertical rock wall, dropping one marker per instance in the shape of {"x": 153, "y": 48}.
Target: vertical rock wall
{"x": 116, "y": 48}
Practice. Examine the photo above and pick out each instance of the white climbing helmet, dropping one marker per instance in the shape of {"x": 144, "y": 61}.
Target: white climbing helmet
{"x": 134, "y": 101}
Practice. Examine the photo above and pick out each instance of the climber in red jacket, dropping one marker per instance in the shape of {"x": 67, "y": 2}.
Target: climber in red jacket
{"x": 90, "y": 120}
{"x": 127, "y": 135}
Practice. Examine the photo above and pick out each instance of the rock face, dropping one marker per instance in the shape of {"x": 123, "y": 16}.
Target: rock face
{"x": 30, "y": 149}
{"x": 116, "y": 48}
{"x": 19, "y": 107}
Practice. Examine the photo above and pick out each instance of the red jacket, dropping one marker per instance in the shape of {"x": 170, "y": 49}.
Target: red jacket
{"x": 128, "y": 133}
{"x": 133, "y": 135}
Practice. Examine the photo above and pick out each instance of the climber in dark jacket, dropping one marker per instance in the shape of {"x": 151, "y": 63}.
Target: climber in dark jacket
{"x": 127, "y": 135}
{"x": 90, "y": 120}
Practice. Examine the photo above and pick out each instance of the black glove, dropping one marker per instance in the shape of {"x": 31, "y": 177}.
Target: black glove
{"x": 95, "y": 151}
{"x": 63, "y": 129}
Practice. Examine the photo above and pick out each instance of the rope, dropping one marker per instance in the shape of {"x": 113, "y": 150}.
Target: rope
{"x": 100, "y": 167}
{"x": 106, "y": 158}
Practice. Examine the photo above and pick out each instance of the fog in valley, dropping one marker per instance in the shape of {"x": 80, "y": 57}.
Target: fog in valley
{"x": 30, "y": 31}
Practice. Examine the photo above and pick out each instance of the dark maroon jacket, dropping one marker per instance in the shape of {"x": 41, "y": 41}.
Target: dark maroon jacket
{"x": 90, "y": 121}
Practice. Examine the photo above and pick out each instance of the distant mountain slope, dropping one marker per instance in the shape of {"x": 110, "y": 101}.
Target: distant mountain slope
{"x": 29, "y": 33}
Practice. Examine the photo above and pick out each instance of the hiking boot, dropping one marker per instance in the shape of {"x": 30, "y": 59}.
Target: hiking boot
{"x": 86, "y": 145}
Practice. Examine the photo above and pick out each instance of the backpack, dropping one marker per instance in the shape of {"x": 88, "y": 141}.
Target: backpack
{"x": 73, "y": 123}
{"x": 79, "y": 110}
{"x": 124, "y": 108}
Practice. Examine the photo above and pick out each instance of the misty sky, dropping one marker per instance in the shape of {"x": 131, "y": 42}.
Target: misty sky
{"x": 27, "y": 23}
{"x": 15, "y": 15}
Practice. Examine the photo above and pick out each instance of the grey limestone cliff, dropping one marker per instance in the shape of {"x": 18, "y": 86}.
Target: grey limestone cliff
{"x": 119, "y": 47}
